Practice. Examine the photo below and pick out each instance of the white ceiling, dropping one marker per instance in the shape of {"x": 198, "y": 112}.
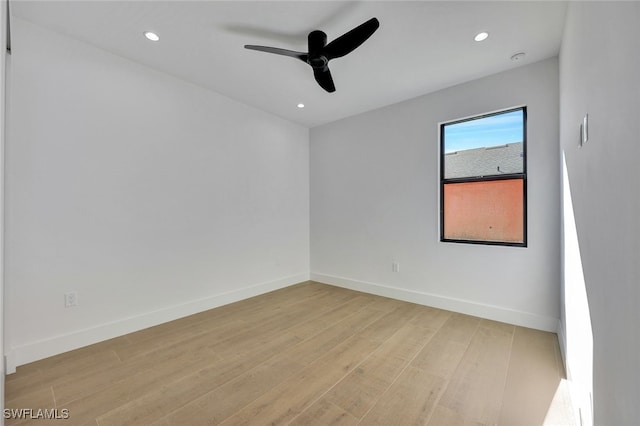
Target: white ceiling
{"x": 420, "y": 47}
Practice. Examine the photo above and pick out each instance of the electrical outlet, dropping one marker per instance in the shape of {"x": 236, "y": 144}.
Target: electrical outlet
{"x": 70, "y": 299}
{"x": 395, "y": 267}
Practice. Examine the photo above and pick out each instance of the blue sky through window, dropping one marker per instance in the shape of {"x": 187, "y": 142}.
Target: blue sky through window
{"x": 495, "y": 130}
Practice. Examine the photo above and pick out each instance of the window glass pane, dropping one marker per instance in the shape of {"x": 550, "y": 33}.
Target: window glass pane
{"x": 484, "y": 211}
{"x": 485, "y": 146}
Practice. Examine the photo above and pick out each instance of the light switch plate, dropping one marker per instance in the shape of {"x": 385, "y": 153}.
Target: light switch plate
{"x": 584, "y": 129}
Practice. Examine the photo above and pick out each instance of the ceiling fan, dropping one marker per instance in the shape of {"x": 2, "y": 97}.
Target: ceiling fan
{"x": 320, "y": 53}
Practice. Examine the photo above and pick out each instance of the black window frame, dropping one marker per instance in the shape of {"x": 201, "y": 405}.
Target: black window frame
{"x": 510, "y": 176}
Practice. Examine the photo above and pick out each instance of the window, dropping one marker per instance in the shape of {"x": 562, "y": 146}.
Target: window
{"x": 483, "y": 189}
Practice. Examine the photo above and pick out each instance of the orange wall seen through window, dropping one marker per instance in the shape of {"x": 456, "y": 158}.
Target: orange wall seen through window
{"x": 484, "y": 211}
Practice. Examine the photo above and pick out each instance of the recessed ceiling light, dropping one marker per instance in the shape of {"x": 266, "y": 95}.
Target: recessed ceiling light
{"x": 481, "y": 36}
{"x": 151, "y": 36}
{"x": 300, "y": 105}
{"x": 518, "y": 56}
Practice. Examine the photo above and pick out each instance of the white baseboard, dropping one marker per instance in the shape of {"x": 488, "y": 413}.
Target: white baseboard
{"x": 562, "y": 342}
{"x": 56, "y": 345}
{"x": 496, "y": 313}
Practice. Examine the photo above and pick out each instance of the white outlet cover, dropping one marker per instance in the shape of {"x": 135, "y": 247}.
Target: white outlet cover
{"x": 71, "y": 299}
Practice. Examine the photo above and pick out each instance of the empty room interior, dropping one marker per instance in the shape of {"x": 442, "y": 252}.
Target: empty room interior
{"x": 320, "y": 213}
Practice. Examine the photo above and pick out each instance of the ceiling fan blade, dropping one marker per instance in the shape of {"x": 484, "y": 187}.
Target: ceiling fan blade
{"x": 323, "y": 77}
{"x": 299, "y": 55}
{"x": 349, "y": 41}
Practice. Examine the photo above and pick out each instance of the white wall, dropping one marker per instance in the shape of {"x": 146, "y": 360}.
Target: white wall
{"x": 374, "y": 200}
{"x": 149, "y": 196}
{"x": 3, "y": 56}
{"x": 599, "y": 76}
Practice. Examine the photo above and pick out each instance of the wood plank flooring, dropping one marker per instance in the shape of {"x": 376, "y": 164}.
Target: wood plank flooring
{"x": 310, "y": 354}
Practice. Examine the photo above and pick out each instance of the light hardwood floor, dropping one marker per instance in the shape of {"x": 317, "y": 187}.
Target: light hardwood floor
{"x": 310, "y": 354}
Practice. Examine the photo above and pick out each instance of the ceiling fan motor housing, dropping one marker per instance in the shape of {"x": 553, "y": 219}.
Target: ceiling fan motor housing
{"x": 317, "y": 40}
